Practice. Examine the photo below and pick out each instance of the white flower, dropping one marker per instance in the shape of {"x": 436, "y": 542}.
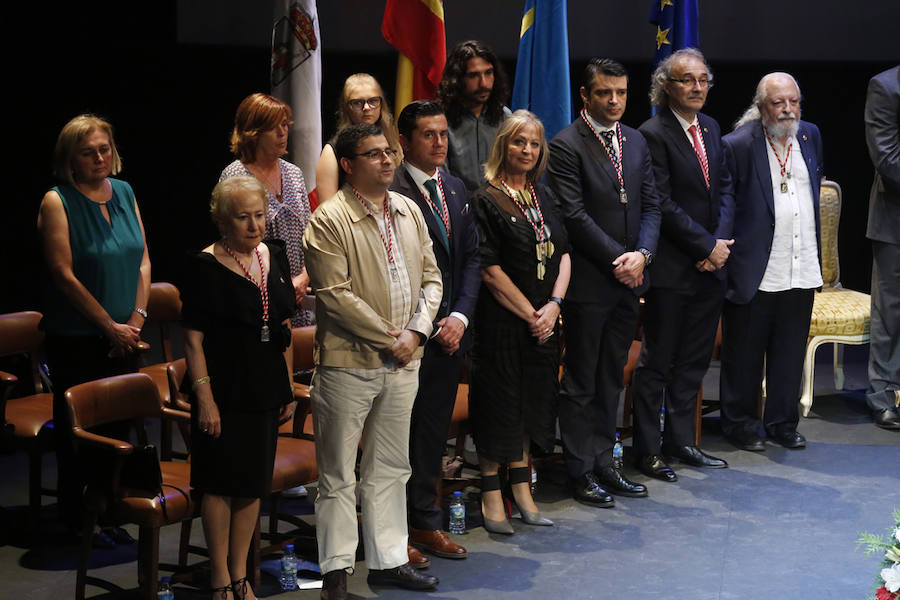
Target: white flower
{"x": 891, "y": 577}
{"x": 893, "y": 554}
{"x": 897, "y": 534}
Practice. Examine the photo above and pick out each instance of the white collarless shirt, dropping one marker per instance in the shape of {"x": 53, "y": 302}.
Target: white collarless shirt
{"x": 794, "y": 258}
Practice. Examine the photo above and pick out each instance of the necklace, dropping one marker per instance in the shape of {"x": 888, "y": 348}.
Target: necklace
{"x": 261, "y": 284}
{"x": 785, "y": 172}
{"x": 616, "y": 160}
{"x": 388, "y": 242}
{"x": 543, "y": 248}
{"x": 273, "y": 188}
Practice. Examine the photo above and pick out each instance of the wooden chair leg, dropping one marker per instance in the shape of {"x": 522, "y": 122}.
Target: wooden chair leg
{"x": 148, "y": 562}
{"x": 34, "y": 485}
{"x": 87, "y": 532}
{"x": 838, "y": 366}
{"x": 274, "y": 509}
{"x": 184, "y": 543}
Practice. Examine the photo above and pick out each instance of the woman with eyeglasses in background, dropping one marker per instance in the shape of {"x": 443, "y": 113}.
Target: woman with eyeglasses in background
{"x": 361, "y": 101}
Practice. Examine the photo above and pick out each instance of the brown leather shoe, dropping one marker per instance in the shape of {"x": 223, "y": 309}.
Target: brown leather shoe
{"x": 436, "y": 542}
{"x": 416, "y": 558}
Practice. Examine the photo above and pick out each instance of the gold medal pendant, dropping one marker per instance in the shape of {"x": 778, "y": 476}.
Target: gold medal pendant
{"x": 784, "y": 188}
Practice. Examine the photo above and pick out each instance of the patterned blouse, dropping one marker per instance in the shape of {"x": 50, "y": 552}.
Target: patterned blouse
{"x": 285, "y": 220}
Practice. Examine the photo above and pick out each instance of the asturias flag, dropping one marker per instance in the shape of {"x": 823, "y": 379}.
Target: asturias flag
{"x": 542, "y": 70}
{"x": 677, "y": 25}
{"x": 416, "y": 29}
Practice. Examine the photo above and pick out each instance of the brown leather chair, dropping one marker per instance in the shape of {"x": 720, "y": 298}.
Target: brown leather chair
{"x": 163, "y": 310}
{"x": 131, "y": 397}
{"x": 300, "y": 425}
{"x": 26, "y": 420}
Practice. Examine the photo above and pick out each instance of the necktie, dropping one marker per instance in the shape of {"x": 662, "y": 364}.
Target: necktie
{"x": 700, "y": 150}
{"x": 608, "y": 140}
{"x": 437, "y": 207}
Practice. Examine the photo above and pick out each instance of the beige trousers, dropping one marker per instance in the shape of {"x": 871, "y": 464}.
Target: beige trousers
{"x": 349, "y": 406}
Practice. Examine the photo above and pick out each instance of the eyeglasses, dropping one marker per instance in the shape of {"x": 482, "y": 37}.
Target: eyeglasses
{"x": 377, "y": 153}
{"x": 690, "y": 82}
{"x": 358, "y": 104}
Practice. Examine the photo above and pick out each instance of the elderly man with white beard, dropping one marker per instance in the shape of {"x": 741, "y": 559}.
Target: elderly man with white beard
{"x": 775, "y": 160}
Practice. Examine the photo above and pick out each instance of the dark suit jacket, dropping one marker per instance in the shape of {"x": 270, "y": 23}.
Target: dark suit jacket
{"x": 693, "y": 217}
{"x": 883, "y": 138}
{"x": 600, "y": 227}
{"x": 754, "y": 221}
{"x": 461, "y": 269}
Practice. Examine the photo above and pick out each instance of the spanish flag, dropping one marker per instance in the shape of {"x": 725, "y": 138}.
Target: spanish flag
{"x": 416, "y": 29}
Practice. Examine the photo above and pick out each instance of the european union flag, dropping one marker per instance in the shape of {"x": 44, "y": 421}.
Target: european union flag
{"x": 542, "y": 70}
{"x": 677, "y": 26}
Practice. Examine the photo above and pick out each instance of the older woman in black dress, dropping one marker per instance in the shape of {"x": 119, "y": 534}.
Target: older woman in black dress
{"x": 238, "y": 301}
{"x": 525, "y": 269}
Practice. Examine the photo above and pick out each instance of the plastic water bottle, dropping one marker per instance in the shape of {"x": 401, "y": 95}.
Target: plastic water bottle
{"x": 457, "y": 514}
{"x": 164, "y": 592}
{"x": 288, "y": 578}
{"x": 618, "y": 453}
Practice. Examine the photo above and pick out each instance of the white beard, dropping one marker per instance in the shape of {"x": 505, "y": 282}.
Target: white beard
{"x": 786, "y": 126}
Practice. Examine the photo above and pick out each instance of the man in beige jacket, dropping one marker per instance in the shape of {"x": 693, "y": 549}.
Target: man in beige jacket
{"x": 377, "y": 286}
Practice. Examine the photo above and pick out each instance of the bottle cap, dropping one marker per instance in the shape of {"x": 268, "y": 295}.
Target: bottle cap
{"x": 289, "y": 547}
{"x": 457, "y": 494}
{"x": 166, "y": 579}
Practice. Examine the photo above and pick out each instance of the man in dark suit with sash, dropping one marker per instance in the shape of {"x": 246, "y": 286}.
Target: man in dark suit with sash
{"x": 602, "y": 175}
{"x": 775, "y": 161}
{"x": 443, "y": 200}
{"x": 682, "y": 309}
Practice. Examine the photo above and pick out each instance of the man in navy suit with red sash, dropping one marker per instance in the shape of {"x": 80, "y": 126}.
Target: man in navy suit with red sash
{"x": 601, "y": 173}
{"x": 682, "y": 309}
{"x": 775, "y": 160}
{"x": 443, "y": 200}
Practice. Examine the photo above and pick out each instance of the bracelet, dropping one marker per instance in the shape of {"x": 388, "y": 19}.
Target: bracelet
{"x": 141, "y": 311}
{"x": 198, "y": 382}
{"x": 556, "y": 299}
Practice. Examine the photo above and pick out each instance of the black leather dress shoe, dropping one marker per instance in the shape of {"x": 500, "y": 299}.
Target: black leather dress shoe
{"x": 788, "y": 438}
{"x": 888, "y": 418}
{"x": 589, "y": 492}
{"x": 654, "y": 466}
{"x": 334, "y": 585}
{"x": 694, "y": 456}
{"x": 403, "y": 576}
{"x": 747, "y": 441}
{"x": 613, "y": 481}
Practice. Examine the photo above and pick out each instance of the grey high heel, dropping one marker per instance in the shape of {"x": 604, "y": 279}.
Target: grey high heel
{"x": 523, "y": 475}
{"x": 490, "y": 483}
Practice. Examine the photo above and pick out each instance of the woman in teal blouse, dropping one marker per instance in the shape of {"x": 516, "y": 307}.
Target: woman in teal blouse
{"x": 96, "y": 299}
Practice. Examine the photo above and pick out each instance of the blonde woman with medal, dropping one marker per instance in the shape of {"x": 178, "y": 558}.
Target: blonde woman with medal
{"x": 237, "y": 305}
{"x": 525, "y": 270}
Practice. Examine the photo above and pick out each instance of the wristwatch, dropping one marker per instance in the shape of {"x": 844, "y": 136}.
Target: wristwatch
{"x": 556, "y": 299}
{"x": 648, "y": 256}
{"x": 141, "y": 312}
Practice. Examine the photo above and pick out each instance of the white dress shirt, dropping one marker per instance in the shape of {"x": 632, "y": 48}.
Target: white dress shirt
{"x": 794, "y": 258}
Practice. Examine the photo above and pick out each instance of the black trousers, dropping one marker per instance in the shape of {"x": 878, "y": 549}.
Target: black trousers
{"x": 598, "y": 336}
{"x": 679, "y": 335}
{"x": 429, "y": 424}
{"x": 73, "y": 360}
{"x": 772, "y": 328}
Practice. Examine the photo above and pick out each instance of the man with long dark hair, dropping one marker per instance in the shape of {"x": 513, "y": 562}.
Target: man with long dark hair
{"x": 473, "y": 92}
